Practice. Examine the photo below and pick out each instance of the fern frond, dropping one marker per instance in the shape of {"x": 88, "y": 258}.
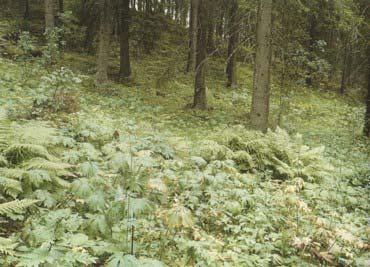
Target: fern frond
{"x": 3, "y": 161}
{"x": 6, "y": 130}
{"x": 15, "y": 173}
{"x": 18, "y": 152}
{"x": 61, "y": 182}
{"x": 37, "y": 133}
{"x": 38, "y": 177}
{"x": 7, "y": 246}
{"x": 16, "y": 206}
{"x": 43, "y": 164}
{"x": 10, "y": 186}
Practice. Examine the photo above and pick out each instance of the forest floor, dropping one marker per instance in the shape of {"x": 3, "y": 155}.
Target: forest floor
{"x": 322, "y": 117}
{"x": 156, "y": 102}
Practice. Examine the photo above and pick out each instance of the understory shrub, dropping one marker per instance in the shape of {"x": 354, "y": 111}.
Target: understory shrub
{"x": 57, "y": 93}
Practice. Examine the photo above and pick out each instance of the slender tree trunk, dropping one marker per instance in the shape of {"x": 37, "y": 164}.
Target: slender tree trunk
{"x": 49, "y": 15}
{"x": 26, "y": 15}
{"x": 211, "y": 28}
{"x": 344, "y": 79}
{"x": 200, "y": 92}
{"x": 232, "y": 47}
{"x": 367, "y": 115}
{"x": 25, "y": 11}
{"x": 184, "y": 12}
{"x": 161, "y": 8}
{"x": 220, "y": 24}
{"x": 89, "y": 37}
{"x": 125, "y": 66}
{"x": 192, "y": 35}
{"x": 176, "y": 10}
{"x": 61, "y": 6}
{"x": 89, "y": 23}
{"x": 60, "y": 11}
{"x": 261, "y": 78}
{"x": 311, "y": 43}
{"x": 148, "y": 6}
{"x": 332, "y": 51}
{"x": 104, "y": 39}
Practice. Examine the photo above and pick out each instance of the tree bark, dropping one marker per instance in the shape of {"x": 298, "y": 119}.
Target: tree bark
{"x": 232, "y": 47}
{"x": 25, "y": 15}
{"x": 211, "y": 28}
{"x": 367, "y": 114}
{"x": 184, "y": 12}
{"x": 200, "y": 92}
{"x": 49, "y": 15}
{"x": 220, "y": 24}
{"x": 192, "y": 35}
{"x": 61, "y": 6}
{"x": 344, "y": 79}
{"x": 104, "y": 39}
{"x": 125, "y": 66}
{"x": 311, "y": 43}
{"x": 261, "y": 78}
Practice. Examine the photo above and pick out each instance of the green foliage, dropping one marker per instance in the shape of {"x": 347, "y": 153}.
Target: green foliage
{"x": 52, "y": 50}
{"x": 180, "y": 188}
{"x": 7, "y": 246}
{"x": 57, "y": 92}
{"x": 15, "y": 206}
{"x": 16, "y": 153}
{"x": 285, "y": 158}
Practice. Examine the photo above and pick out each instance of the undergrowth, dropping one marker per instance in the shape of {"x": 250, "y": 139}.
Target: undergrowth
{"x": 132, "y": 178}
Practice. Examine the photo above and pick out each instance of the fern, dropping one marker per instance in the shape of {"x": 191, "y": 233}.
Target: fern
{"x": 16, "y": 206}
{"x": 3, "y": 161}
{"x": 16, "y": 153}
{"x": 38, "y": 177}
{"x": 36, "y": 133}
{"x": 7, "y": 246}
{"x": 15, "y": 173}
{"x": 55, "y": 169}
{"x": 276, "y": 151}
{"x": 61, "y": 182}
{"x": 6, "y": 132}
{"x": 41, "y": 163}
{"x": 10, "y": 186}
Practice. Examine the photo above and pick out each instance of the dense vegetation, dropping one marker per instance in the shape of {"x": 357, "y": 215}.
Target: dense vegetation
{"x": 184, "y": 133}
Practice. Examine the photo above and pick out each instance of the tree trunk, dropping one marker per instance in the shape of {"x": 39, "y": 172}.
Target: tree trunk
{"x": 49, "y": 15}
{"x": 26, "y": 15}
{"x": 61, "y": 6}
{"x": 211, "y": 28}
{"x": 125, "y": 67}
{"x": 103, "y": 47}
{"x": 200, "y": 92}
{"x": 184, "y": 12}
{"x": 344, "y": 79}
{"x": 148, "y": 6}
{"x": 192, "y": 35}
{"x": 25, "y": 11}
{"x": 232, "y": 47}
{"x": 60, "y": 13}
{"x": 220, "y": 24}
{"x": 367, "y": 115}
{"x": 311, "y": 43}
{"x": 261, "y": 78}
